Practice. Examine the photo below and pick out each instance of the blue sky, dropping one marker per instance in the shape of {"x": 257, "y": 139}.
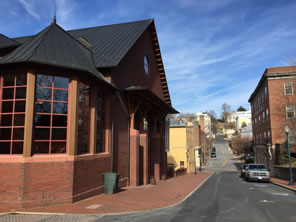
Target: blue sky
{"x": 214, "y": 51}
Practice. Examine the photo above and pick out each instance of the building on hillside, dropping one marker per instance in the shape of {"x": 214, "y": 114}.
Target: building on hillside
{"x": 242, "y": 119}
{"x": 76, "y": 104}
{"x": 273, "y": 107}
{"x": 246, "y": 132}
{"x": 183, "y": 140}
{"x": 203, "y": 116}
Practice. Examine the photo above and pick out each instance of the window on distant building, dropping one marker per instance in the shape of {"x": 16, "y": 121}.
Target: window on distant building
{"x": 267, "y": 114}
{"x": 265, "y": 91}
{"x": 12, "y": 113}
{"x": 290, "y": 111}
{"x": 263, "y": 117}
{"x": 259, "y": 120}
{"x": 288, "y": 88}
{"x": 51, "y": 114}
{"x": 181, "y": 164}
{"x": 264, "y": 135}
{"x": 268, "y": 134}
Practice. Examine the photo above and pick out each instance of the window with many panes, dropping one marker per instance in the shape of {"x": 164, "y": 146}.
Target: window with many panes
{"x": 84, "y": 118}
{"x": 12, "y": 113}
{"x": 288, "y": 88}
{"x": 100, "y": 117}
{"x": 51, "y": 114}
{"x": 290, "y": 111}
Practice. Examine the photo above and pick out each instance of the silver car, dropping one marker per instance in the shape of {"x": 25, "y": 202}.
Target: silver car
{"x": 257, "y": 172}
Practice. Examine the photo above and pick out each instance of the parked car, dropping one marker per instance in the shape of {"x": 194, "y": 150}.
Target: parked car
{"x": 249, "y": 158}
{"x": 213, "y": 154}
{"x": 257, "y": 172}
{"x": 243, "y": 170}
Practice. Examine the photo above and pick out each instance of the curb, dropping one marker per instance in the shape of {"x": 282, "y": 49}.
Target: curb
{"x": 284, "y": 186}
{"x": 161, "y": 208}
{"x": 124, "y": 213}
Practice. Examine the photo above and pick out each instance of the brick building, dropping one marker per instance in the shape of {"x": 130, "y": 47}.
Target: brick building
{"x": 75, "y": 104}
{"x": 273, "y": 107}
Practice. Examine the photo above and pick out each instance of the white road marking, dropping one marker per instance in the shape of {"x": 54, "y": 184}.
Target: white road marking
{"x": 266, "y": 201}
{"x": 280, "y": 194}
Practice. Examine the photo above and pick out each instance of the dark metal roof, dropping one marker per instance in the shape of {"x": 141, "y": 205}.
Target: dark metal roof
{"x": 109, "y": 43}
{"x": 53, "y": 46}
{"x": 149, "y": 95}
{"x": 6, "y": 42}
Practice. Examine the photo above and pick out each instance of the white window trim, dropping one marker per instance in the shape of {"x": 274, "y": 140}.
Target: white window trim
{"x": 291, "y": 88}
{"x": 293, "y": 112}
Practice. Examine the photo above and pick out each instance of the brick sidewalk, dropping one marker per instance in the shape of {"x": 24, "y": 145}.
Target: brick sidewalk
{"x": 148, "y": 197}
{"x": 283, "y": 183}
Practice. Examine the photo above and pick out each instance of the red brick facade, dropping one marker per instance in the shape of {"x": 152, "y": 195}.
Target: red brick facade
{"x": 136, "y": 153}
{"x": 269, "y": 116}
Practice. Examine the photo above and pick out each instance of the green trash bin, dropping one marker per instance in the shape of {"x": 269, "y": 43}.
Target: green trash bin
{"x": 110, "y": 182}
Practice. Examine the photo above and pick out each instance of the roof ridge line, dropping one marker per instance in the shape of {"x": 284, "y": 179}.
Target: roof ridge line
{"x": 10, "y": 39}
{"x": 127, "y": 50}
{"x": 76, "y": 40}
{"x": 43, "y": 37}
{"x": 99, "y": 26}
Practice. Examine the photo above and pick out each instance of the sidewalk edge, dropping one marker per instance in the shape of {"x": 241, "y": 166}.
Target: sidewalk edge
{"x": 125, "y": 213}
{"x": 284, "y": 186}
{"x": 166, "y": 207}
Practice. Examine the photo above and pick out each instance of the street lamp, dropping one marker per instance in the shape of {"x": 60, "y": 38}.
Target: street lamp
{"x": 287, "y": 130}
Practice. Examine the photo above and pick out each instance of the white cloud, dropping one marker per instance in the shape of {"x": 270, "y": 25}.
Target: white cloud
{"x": 30, "y": 8}
{"x": 65, "y": 13}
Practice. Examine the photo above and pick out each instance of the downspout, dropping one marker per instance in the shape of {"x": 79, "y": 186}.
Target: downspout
{"x": 128, "y": 144}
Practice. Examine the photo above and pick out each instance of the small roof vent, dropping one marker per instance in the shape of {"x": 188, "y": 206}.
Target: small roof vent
{"x": 84, "y": 42}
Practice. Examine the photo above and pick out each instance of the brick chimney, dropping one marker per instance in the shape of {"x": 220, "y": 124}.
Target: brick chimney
{"x": 202, "y": 122}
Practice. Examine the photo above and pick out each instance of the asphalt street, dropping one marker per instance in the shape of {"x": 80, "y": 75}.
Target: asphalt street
{"x": 225, "y": 197}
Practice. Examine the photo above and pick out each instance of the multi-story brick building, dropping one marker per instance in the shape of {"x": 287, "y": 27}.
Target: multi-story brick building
{"x": 273, "y": 107}
{"x": 76, "y": 104}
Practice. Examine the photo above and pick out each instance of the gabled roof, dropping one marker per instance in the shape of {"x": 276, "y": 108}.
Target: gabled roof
{"x": 109, "y": 43}
{"x": 6, "y": 42}
{"x": 53, "y": 46}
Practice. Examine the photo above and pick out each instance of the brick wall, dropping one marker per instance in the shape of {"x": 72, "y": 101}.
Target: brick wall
{"x": 11, "y": 185}
{"x": 32, "y": 184}
{"x": 131, "y": 68}
{"x": 88, "y": 176}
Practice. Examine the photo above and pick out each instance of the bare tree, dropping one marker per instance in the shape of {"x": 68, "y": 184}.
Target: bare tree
{"x": 291, "y": 59}
{"x": 214, "y": 121}
{"x": 226, "y": 110}
{"x": 241, "y": 145}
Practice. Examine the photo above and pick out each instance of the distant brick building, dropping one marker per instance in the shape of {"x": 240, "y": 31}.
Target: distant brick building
{"x": 75, "y": 104}
{"x": 273, "y": 107}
